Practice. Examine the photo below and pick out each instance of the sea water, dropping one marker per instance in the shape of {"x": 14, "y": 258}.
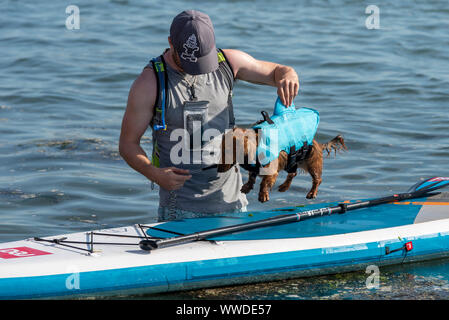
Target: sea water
{"x": 378, "y": 73}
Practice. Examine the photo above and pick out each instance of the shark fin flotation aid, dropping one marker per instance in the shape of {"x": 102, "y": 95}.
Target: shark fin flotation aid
{"x": 289, "y": 129}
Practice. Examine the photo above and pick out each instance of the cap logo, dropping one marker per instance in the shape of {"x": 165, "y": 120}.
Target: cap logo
{"x": 190, "y": 47}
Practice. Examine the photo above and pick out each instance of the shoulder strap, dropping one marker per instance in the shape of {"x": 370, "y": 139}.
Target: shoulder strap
{"x": 226, "y": 69}
{"x": 161, "y": 76}
{"x": 222, "y": 61}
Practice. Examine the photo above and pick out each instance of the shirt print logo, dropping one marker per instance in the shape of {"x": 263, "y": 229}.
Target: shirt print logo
{"x": 190, "y": 47}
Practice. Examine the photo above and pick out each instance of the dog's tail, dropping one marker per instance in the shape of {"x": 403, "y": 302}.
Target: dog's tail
{"x": 336, "y": 144}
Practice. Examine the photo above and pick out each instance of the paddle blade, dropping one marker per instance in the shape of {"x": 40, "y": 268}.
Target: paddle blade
{"x": 430, "y": 185}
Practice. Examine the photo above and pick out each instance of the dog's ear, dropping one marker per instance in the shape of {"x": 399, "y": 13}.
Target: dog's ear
{"x": 227, "y": 156}
{"x": 237, "y": 146}
{"x": 245, "y": 145}
{"x": 224, "y": 167}
{"x": 250, "y": 146}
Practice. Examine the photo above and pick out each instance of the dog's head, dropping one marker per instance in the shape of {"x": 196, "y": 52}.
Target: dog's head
{"x": 237, "y": 146}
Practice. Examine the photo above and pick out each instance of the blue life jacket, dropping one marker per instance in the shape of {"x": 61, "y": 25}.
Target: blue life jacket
{"x": 289, "y": 130}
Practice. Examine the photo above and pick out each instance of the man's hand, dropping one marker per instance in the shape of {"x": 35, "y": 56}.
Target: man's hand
{"x": 171, "y": 178}
{"x": 287, "y": 83}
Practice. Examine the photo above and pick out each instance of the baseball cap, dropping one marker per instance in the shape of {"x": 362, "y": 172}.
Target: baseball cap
{"x": 192, "y": 36}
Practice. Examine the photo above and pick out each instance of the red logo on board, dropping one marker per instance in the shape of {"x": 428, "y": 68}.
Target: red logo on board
{"x": 409, "y": 246}
{"x": 20, "y": 252}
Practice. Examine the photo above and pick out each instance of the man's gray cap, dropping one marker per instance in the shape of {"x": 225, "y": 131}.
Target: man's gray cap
{"x": 192, "y": 36}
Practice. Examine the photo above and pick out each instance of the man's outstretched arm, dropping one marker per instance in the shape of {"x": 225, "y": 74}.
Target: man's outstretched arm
{"x": 249, "y": 69}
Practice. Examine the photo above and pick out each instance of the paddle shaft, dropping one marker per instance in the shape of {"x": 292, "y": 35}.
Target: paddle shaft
{"x": 149, "y": 244}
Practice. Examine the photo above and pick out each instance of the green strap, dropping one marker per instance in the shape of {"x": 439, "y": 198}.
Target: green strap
{"x": 221, "y": 57}
{"x": 159, "y": 66}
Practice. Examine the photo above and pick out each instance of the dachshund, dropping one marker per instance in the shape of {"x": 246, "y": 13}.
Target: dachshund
{"x": 242, "y": 151}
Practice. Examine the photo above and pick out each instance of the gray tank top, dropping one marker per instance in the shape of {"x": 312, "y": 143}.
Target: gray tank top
{"x": 207, "y": 191}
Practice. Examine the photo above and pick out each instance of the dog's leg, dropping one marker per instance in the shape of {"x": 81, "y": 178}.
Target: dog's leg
{"x": 316, "y": 181}
{"x": 314, "y": 166}
{"x": 247, "y": 187}
{"x": 286, "y": 185}
{"x": 267, "y": 183}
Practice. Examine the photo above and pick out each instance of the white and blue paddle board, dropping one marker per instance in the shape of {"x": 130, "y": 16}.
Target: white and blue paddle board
{"x": 109, "y": 261}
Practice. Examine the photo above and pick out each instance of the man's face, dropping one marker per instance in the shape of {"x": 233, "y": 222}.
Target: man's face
{"x": 175, "y": 55}
{"x": 176, "y": 59}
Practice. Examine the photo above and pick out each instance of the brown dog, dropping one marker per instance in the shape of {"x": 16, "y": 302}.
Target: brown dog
{"x": 246, "y": 140}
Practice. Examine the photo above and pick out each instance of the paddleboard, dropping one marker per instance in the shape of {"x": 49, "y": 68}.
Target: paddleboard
{"x": 109, "y": 261}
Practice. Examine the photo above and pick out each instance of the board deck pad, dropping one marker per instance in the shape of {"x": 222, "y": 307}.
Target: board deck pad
{"x": 110, "y": 261}
{"x": 377, "y": 217}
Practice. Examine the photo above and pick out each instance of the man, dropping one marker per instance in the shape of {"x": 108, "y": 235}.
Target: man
{"x": 197, "y": 80}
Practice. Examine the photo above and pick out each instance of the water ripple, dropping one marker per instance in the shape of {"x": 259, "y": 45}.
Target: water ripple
{"x": 63, "y": 94}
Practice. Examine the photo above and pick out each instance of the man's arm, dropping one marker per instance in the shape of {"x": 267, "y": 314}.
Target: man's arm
{"x": 138, "y": 114}
{"x": 247, "y": 68}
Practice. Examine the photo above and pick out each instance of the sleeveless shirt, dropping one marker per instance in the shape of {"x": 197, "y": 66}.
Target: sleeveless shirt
{"x": 206, "y": 191}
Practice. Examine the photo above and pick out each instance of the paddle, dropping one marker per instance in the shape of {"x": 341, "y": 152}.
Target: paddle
{"x": 418, "y": 190}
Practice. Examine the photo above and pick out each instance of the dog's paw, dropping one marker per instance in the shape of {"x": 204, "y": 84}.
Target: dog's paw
{"x": 246, "y": 188}
{"x": 311, "y": 195}
{"x": 263, "y": 196}
{"x": 284, "y": 187}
